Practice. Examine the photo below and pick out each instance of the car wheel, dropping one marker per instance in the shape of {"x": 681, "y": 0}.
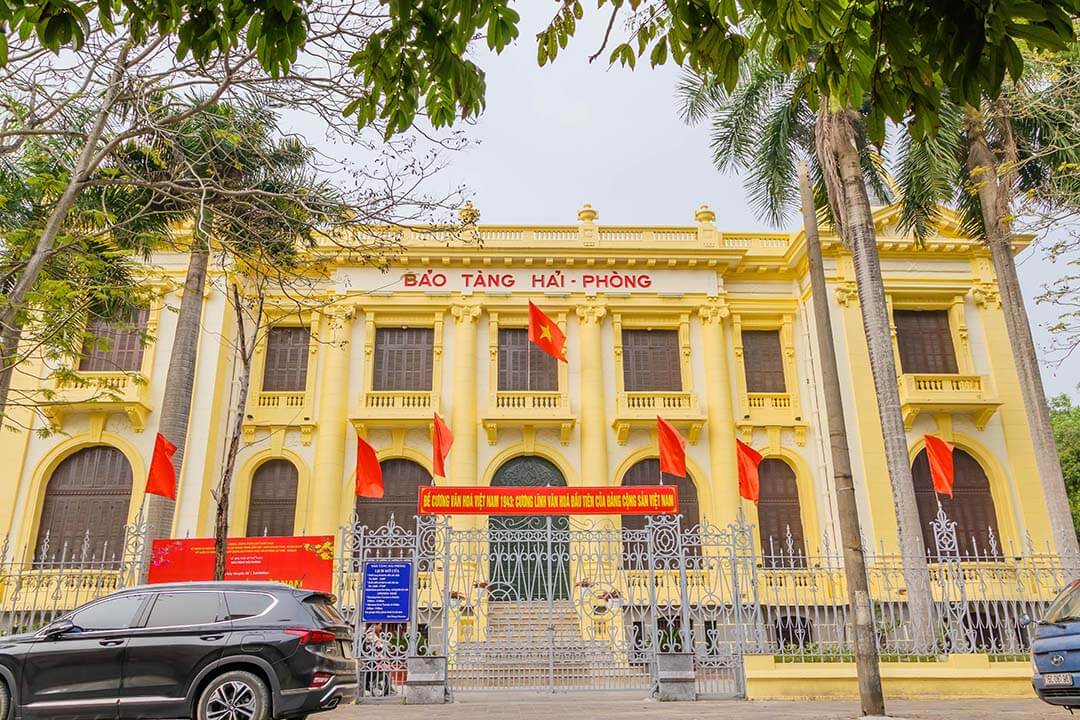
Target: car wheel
{"x": 5, "y": 701}
{"x": 236, "y": 695}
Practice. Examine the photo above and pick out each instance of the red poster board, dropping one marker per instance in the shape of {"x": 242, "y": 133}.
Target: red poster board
{"x": 633, "y": 500}
{"x": 303, "y": 562}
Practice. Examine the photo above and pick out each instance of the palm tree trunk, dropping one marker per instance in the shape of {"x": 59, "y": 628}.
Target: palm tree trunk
{"x": 180, "y": 379}
{"x": 866, "y": 654}
{"x": 858, "y": 224}
{"x": 995, "y": 191}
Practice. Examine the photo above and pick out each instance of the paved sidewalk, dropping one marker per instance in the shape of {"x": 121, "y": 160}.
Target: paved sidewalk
{"x": 624, "y": 706}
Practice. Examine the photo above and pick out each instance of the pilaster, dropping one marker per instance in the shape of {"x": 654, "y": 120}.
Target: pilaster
{"x": 594, "y": 459}
{"x": 723, "y": 469}
{"x": 331, "y": 500}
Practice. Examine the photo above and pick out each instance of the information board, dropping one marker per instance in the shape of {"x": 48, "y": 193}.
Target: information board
{"x": 387, "y": 591}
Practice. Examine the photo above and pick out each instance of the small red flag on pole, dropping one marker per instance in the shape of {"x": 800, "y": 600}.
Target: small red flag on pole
{"x": 441, "y": 443}
{"x": 545, "y": 334}
{"x": 162, "y": 479}
{"x": 940, "y": 456}
{"x": 672, "y": 449}
{"x": 369, "y": 481}
{"x": 748, "y": 461}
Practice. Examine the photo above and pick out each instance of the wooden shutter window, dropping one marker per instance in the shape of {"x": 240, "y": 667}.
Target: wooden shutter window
{"x": 287, "y": 350}
{"x": 925, "y": 341}
{"x": 272, "y": 504}
{"x": 523, "y": 366}
{"x": 651, "y": 361}
{"x": 971, "y": 507}
{"x": 401, "y": 482}
{"x": 779, "y": 513}
{"x": 404, "y": 359}
{"x": 89, "y": 491}
{"x": 764, "y": 361}
{"x": 116, "y": 346}
{"x": 647, "y": 472}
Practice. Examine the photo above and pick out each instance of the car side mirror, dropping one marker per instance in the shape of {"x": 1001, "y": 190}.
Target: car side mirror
{"x": 58, "y": 628}
{"x": 1025, "y": 620}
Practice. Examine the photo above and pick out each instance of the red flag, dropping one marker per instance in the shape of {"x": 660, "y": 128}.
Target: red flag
{"x": 748, "y": 461}
{"x": 939, "y": 454}
{"x": 672, "y": 449}
{"x": 441, "y": 443}
{"x": 369, "y": 482}
{"x": 162, "y": 479}
{"x": 545, "y": 334}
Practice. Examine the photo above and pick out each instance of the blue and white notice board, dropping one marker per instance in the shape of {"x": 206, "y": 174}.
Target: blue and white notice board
{"x": 387, "y": 591}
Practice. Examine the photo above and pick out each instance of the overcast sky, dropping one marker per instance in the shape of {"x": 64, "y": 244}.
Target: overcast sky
{"x": 554, "y": 138}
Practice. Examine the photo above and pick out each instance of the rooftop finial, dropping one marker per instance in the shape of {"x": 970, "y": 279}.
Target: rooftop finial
{"x": 587, "y": 213}
{"x": 704, "y": 214}
{"x": 468, "y": 214}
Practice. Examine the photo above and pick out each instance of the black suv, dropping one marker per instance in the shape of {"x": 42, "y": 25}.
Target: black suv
{"x": 210, "y": 651}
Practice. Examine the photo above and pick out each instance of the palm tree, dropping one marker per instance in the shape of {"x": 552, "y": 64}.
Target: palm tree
{"x": 981, "y": 160}
{"x": 763, "y": 128}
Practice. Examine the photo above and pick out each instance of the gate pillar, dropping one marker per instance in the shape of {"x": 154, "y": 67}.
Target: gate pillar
{"x": 425, "y": 683}
{"x": 675, "y": 677}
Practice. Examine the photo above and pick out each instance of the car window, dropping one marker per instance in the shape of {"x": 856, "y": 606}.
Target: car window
{"x": 110, "y": 614}
{"x": 324, "y": 610}
{"x": 245, "y": 604}
{"x": 185, "y": 608}
{"x": 1066, "y": 606}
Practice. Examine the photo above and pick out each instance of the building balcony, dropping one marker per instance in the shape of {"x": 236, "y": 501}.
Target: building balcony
{"x": 292, "y": 409}
{"x": 640, "y": 409}
{"x": 99, "y": 392}
{"x": 765, "y": 410}
{"x": 528, "y": 408}
{"x": 396, "y": 408}
{"x": 947, "y": 393}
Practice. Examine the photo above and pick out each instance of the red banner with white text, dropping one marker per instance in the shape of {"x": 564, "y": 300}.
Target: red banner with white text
{"x": 633, "y": 500}
{"x": 303, "y": 562}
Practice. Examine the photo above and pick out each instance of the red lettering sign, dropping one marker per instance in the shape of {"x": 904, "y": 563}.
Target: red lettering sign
{"x": 633, "y": 500}
{"x": 303, "y": 562}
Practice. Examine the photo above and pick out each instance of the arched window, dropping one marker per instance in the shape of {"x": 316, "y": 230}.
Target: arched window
{"x": 779, "y": 516}
{"x": 90, "y": 491}
{"x": 971, "y": 507}
{"x": 272, "y": 504}
{"x": 401, "y": 480}
{"x": 647, "y": 472}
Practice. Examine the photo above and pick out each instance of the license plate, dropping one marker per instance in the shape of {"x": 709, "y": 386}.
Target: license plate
{"x": 1057, "y": 679}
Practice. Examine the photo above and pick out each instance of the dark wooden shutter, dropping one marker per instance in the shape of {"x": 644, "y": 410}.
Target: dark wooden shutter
{"x": 404, "y": 359}
{"x": 925, "y": 342}
{"x": 764, "y": 361}
{"x": 90, "y": 490}
{"x": 971, "y": 507}
{"x": 272, "y": 504}
{"x": 401, "y": 480}
{"x": 647, "y": 472}
{"x": 287, "y": 350}
{"x": 116, "y": 346}
{"x": 523, "y": 366}
{"x": 778, "y": 514}
{"x": 651, "y": 361}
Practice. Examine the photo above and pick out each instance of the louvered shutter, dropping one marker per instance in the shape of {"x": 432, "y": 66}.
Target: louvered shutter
{"x": 925, "y": 341}
{"x": 971, "y": 507}
{"x": 764, "y": 361}
{"x": 272, "y": 504}
{"x": 779, "y": 513}
{"x": 401, "y": 481}
{"x": 523, "y": 366}
{"x": 116, "y": 346}
{"x": 287, "y": 350}
{"x": 651, "y": 361}
{"x": 404, "y": 359}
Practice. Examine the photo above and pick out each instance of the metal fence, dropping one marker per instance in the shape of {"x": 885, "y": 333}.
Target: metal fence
{"x": 558, "y": 604}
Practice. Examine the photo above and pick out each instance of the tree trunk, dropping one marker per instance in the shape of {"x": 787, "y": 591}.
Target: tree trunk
{"x": 245, "y": 351}
{"x": 180, "y": 379}
{"x": 858, "y": 223}
{"x": 995, "y": 192}
{"x": 866, "y": 655}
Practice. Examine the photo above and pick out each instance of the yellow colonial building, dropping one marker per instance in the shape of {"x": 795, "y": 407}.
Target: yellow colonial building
{"x": 712, "y": 330}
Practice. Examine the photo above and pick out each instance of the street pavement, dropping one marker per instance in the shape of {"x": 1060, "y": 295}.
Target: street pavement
{"x": 623, "y": 706}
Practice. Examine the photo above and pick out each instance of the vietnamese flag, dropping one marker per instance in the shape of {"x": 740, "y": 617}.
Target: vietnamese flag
{"x": 940, "y": 456}
{"x": 162, "y": 479}
{"x": 672, "y": 449}
{"x": 441, "y": 443}
{"x": 369, "y": 482}
{"x": 545, "y": 334}
{"x": 748, "y": 461}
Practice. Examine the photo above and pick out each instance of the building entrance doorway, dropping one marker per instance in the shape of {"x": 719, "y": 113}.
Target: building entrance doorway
{"x": 529, "y": 556}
